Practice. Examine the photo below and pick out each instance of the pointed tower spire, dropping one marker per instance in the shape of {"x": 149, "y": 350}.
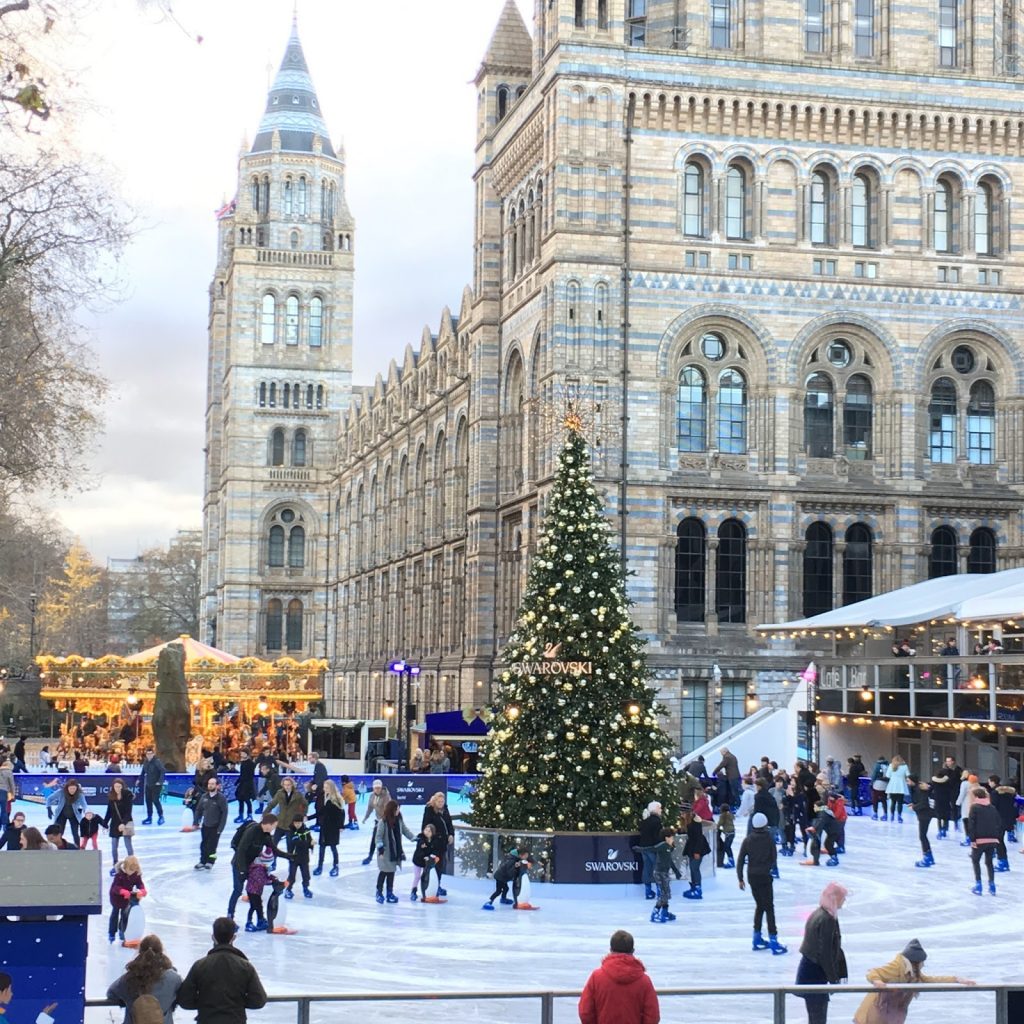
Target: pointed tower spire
{"x": 511, "y": 45}
{"x": 293, "y": 109}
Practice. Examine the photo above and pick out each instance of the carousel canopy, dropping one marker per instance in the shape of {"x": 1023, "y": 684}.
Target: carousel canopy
{"x": 969, "y": 597}
{"x": 194, "y": 651}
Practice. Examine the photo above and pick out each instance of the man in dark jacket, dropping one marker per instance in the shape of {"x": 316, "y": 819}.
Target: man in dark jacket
{"x": 619, "y": 991}
{"x": 315, "y": 790}
{"x": 249, "y": 842}
{"x": 945, "y": 785}
{"x": 765, "y": 804}
{"x": 223, "y": 984}
{"x": 152, "y": 778}
{"x": 212, "y": 816}
{"x": 758, "y": 852}
{"x": 728, "y": 775}
{"x": 985, "y": 827}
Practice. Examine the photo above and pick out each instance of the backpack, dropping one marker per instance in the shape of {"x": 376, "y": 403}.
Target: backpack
{"x": 236, "y": 839}
{"x": 837, "y": 805}
{"x": 879, "y": 773}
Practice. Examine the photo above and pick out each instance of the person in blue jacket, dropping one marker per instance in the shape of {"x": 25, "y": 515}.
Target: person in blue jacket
{"x": 66, "y": 806}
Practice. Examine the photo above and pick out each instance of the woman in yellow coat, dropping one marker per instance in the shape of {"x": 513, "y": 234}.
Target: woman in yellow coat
{"x": 890, "y": 1007}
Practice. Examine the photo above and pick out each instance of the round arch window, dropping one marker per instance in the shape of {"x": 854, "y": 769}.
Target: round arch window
{"x": 287, "y": 516}
{"x": 839, "y": 354}
{"x": 712, "y": 346}
{"x": 963, "y": 359}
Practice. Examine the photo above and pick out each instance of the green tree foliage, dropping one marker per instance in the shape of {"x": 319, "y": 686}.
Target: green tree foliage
{"x": 576, "y": 743}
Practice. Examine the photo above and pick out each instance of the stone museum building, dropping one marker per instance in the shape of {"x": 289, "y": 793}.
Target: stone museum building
{"x": 772, "y": 251}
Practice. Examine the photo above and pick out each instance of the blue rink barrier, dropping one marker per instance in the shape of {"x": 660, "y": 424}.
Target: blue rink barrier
{"x": 406, "y": 789}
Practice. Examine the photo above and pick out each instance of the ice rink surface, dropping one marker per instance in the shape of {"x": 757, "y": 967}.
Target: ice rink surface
{"x": 346, "y": 942}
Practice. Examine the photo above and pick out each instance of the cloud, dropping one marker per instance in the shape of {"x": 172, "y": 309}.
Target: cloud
{"x": 169, "y": 120}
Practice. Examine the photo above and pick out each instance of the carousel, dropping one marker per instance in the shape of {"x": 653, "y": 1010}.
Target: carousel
{"x": 107, "y": 702}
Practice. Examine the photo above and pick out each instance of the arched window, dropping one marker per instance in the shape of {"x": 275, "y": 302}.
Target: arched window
{"x": 818, "y": 569}
{"x": 291, "y": 320}
{"x": 299, "y": 446}
{"x": 302, "y": 204}
{"x": 821, "y": 208}
{"x": 316, "y": 321}
{"x": 263, "y": 394}
{"x": 502, "y": 102}
{"x": 943, "y": 224}
{"x": 860, "y": 211}
{"x": 255, "y": 195}
{"x": 277, "y": 447}
{"x": 818, "y": 411}
{"x": 857, "y": 564}
{"x": 731, "y": 572}
{"x": 275, "y": 547}
{"x": 265, "y": 195}
{"x": 982, "y": 556}
{"x": 981, "y": 423}
{"x": 287, "y": 396}
{"x": 296, "y": 396}
{"x": 320, "y": 396}
{"x": 857, "y": 418}
{"x": 735, "y": 203}
{"x": 268, "y": 317}
{"x": 309, "y": 396}
{"x": 692, "y": 411}
{"x": 572, "y": 304}
{"x": 942, "y": 426}
{"x": 600, "y": 323}
{"x": 274, "y": 624}
{"x": 693, "y": 199}
{"x": 293, "y": 630}
{"x": 691, "y": 570}
{"x": 289, "y": 196}
{"x": 732, "y": 412}
{"x": 942, "y": 559}
{"x": 293, "y": 240}
{"x": 984, "y": 209}
{"x": 273, "y": 396}
{"x": 297, "y": 548}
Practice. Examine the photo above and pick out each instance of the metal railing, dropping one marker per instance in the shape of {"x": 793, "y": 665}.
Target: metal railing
{"x": 548, "y": 998}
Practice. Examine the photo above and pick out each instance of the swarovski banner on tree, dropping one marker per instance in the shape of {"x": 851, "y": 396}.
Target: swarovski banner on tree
{"x": 576, "y": 744}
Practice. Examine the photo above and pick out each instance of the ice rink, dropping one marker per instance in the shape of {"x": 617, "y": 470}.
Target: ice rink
{"x": 346, "y": 942}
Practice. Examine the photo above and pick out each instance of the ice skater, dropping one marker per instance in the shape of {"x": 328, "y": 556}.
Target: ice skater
{"x": 823, "y": 833}
{"x": 758, "y": 853}
{"x": 663, "y": 866}
{"x": 429, "y": 852}
{"x": 89, "y": 829}
{"x": 258, "y": 878}
{"x": 510, "y": 871}
{"x": 726, "y": 834}
{"x": 878, "y": 784}
{"x": 696, "y": 847}
{"x": 896, "y": 787}
{"x": 387, "y": 838}
{"x": 651, "y": 827}
{"x": 300, "y": 846}
{"x": 331, "y": 818}
{"x": 1004, "y": 800}
{"x": 212, "y": 816}
{"x": 822, "y": 961}
{"x": 985, "y": 828}
{"x": 126, "y": 890}
{"x": 245, "y": 787}
{"x": 943, "y": 783}
{"x": 65, "y": 806}
{"x": 964, "y": 799}
{"x": 379, "y": 799}
{"x": 348, "y": 795}
{"x": 920, "y": 803}
{"x": 890, "y": 1007}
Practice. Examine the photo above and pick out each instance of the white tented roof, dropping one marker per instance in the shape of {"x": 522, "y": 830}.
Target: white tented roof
{"x": 968, "y": 598}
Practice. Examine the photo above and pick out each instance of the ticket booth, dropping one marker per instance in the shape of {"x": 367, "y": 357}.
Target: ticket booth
{"x": 45, "y": 902}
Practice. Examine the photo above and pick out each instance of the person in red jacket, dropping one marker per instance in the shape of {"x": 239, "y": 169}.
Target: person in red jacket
{"x": 619, "y": 991}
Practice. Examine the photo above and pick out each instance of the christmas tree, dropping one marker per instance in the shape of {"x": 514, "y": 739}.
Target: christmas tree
{"x": 575, "y": 744}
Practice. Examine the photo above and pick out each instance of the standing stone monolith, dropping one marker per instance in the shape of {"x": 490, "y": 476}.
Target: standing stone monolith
{"x": 172, "y": 715}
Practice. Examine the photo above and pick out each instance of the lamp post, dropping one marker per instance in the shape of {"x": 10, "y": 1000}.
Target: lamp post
{"x": 32, "y": 630}
{"x": 405, "y": 673}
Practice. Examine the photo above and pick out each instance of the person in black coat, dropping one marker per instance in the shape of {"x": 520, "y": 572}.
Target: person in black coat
{"x": 758, "y": 853}
{"x": 245, "y": 788}
{"x": 985, "y": 827}
{"x": 331, "y": 818}
{"x": 764, "y": 803}
{"x": 824, "y": 832}
{"x": 945, "y": 786}
{"x": 854, "y": 771}
{"x": 920, "y": 801}
{"x": 650, "y": 835}
{"x": 315, "y": 790}
{"x": 118, "y": 819}
{"x": 248, "y": 843}
{"x": 822, "y": 961}
{"x": 12, "y": 834}
{"x": 436, "y": 814}
{"x": 696, "y": 847}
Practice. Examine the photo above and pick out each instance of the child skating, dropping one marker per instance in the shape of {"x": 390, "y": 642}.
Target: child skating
{"x": 662, "y": 868}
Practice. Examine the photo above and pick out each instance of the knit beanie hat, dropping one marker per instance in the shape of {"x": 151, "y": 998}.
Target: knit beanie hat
{"x": 914, "y": 952}
{"x": 758, "y": 821}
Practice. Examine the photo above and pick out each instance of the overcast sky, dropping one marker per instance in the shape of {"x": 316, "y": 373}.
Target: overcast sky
{"x": 394, "y": 84}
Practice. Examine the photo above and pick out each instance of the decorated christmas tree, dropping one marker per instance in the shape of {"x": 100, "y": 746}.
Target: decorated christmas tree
{"x": 575, "y": 744}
